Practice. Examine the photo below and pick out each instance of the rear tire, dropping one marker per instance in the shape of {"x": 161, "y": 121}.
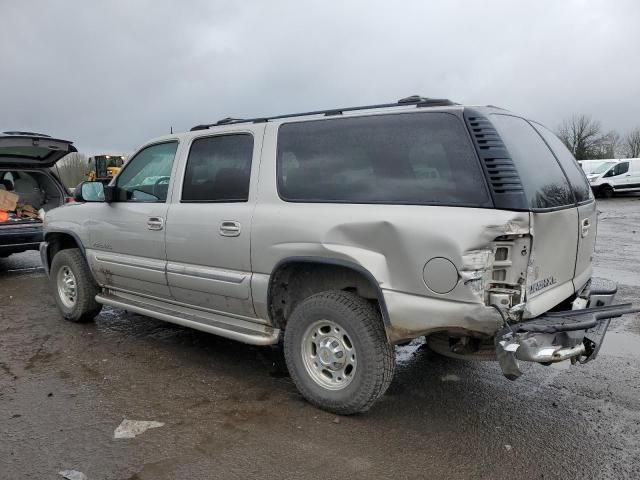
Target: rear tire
{"x": 337, "y": 352}
{"x": 73, "y": 286}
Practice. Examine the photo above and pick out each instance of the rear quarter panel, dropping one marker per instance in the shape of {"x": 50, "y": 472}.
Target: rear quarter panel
{"x": 392, "y": 242}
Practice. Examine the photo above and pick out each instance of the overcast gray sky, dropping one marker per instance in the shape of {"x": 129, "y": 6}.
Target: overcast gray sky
{"x": 111, "y": 75}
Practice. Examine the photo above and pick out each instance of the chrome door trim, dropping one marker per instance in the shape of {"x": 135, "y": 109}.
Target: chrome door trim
{"x": 137, "y": 262}
{"x": 208, "y": 273}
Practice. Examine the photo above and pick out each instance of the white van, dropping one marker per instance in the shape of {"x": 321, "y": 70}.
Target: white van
{"x": 614, "y": 176}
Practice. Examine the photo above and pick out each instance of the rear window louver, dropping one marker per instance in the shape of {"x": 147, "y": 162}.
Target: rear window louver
{"x": 500, "y": 171}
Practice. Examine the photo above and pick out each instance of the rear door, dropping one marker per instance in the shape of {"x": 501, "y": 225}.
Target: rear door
{"x": 587, "y": 213}
{"x": 209, "y": 222}
{"x": 554, "y": 215}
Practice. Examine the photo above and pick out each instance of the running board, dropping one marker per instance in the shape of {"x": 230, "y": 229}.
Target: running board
{"x": 261, "y": 335}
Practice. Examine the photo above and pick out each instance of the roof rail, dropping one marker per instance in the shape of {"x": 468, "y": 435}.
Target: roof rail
{"x": 26, "y": 133}
{"x": 416, "y": 100}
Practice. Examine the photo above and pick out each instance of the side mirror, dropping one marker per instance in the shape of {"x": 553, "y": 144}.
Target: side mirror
{"x": 110, "y": 194}
{"x": 115, "y": 194}
{"x": 90, "y": 192}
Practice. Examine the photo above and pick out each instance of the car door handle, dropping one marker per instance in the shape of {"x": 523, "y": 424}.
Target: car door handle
{"x": 586, "y": 224}
{"x": 155, "y": 223}
{"x": 230, "y": 228}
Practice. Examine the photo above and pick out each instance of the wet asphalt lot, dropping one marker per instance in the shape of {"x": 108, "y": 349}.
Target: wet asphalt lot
{"x": 230, "y": 412}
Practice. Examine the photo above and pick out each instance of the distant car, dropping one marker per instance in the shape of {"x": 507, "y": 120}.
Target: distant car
{"x": 345, "y": 232}
{"x": 25, "y": 161}
{"x": 616, "y": 176}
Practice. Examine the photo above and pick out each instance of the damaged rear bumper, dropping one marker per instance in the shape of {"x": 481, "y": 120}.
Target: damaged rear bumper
{"x": 575, "y": 335}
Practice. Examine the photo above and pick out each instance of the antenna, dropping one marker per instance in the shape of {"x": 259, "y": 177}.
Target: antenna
{"x": 171, "y": 129}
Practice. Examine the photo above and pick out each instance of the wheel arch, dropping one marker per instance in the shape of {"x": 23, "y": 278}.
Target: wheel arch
{"x": 56, "y": 240}
{"x": 352, "y": 275}
{"x": 605, "y": 186}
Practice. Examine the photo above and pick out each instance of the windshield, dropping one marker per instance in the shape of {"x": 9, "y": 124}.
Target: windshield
{"x": 603, "y": 168}
{"x": 114, "y": 162}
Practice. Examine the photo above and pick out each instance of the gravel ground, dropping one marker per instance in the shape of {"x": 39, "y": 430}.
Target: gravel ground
{"x": 230, "y": 412}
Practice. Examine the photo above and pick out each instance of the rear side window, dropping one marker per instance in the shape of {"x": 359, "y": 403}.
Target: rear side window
{"x": 422, "y": 158}
{"x": 572, "y": 169}
{"x": 218, "y": 169}
{"x": 545, "y": 186}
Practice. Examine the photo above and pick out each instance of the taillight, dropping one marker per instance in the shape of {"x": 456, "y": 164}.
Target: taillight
{"x": 69, "y": 200}
{"x": 510, "y": 261}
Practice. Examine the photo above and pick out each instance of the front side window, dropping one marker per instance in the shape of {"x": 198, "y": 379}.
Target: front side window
{"x": 146, "y": 176}
{"x": 620, "y": 168}
{"x": 409, "y": 158}
{"x": 575, "y": 173}
{"x": 218, "y": 169}
{"x": 545, "y": 185}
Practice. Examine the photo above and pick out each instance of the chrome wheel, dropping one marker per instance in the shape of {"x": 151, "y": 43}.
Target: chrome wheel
{"x": 329, "y": 355}
{"x": 67, "y": 287}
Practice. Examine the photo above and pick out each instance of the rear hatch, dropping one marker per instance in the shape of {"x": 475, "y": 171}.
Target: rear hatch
{"x": 22, "y": 155}
{"x": 539, "y": 174}
{"x": 32, "y": 150}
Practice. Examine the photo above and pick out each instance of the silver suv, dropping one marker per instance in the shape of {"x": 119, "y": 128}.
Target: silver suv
{"x": 343, "y": 233}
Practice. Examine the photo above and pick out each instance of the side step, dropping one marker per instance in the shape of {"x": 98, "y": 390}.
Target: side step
{"x": 253, "y": 334}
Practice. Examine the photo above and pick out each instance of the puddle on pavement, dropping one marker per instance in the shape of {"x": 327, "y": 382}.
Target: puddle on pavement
{"x": 622, "y": 276}
{"x": 621, "y": 344}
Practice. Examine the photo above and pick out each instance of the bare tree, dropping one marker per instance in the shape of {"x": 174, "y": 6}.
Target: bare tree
{"x": 610, "y": 145}
{"x": 632, "y": 143}
{"x": 582, "y": 135}
{"x": 72, "y": 169}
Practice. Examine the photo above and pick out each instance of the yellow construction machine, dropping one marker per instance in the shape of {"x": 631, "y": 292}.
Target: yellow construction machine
{"x": 104, "y": 167}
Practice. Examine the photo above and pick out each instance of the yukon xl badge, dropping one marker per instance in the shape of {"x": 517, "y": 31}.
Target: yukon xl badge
{"x": 541, "y": 284}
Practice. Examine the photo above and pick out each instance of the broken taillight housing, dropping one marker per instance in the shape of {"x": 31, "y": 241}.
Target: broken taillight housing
{"x": 510, "y": 259}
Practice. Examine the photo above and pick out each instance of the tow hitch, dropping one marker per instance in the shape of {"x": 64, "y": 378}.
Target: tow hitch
{"x": 574, "y": 335}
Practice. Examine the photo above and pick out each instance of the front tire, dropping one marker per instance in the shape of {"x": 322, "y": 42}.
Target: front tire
{"x": 337, "y": 352}
{"x": 73, "y": 286}
{"x": 606, "y": 191}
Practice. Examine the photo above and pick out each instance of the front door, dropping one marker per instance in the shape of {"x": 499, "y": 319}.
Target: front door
{"x": 622, "y": 176}
{"x": 209, "y": 223}
{"x": 617, "y": 176}
{"x": 126, "y": 238}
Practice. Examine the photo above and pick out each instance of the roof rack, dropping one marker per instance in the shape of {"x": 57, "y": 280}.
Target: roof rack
{"x": 416, "y": 100}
